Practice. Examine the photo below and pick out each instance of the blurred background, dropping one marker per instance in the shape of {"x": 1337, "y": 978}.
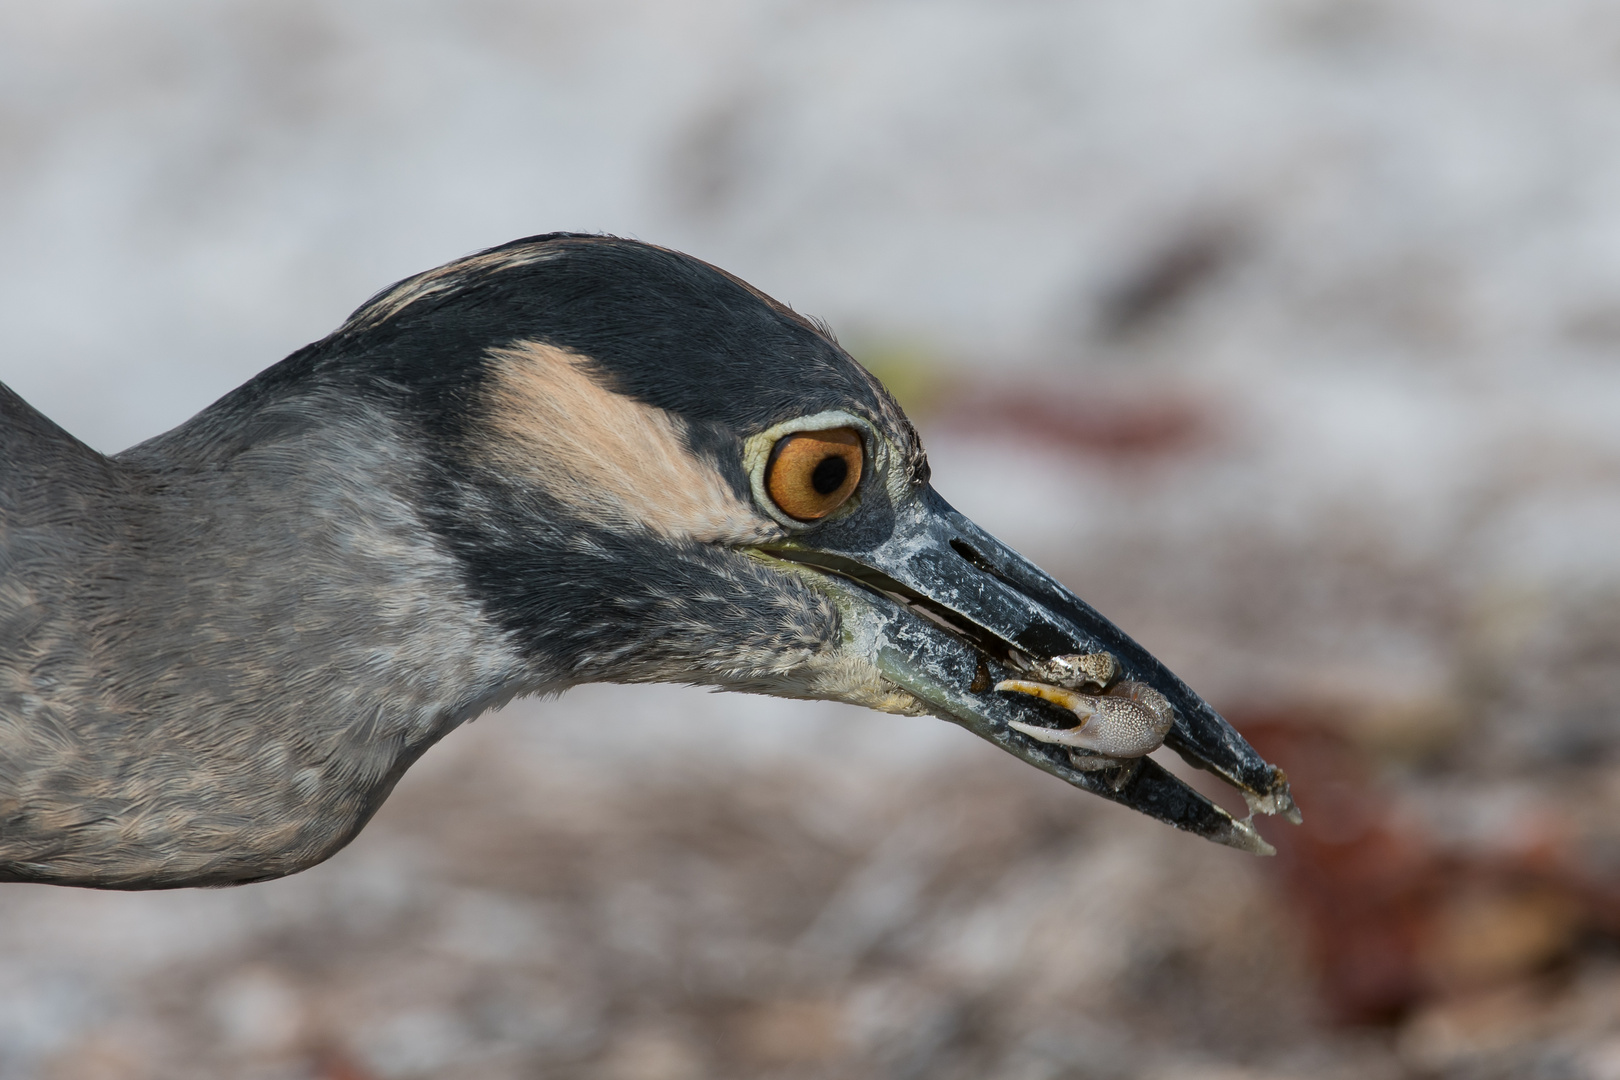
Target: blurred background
{"x": 1287, "y": 332}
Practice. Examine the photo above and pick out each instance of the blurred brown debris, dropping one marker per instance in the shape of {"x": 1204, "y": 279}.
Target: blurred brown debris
{"x": 1398, "y": 919}
{"x": 1080, "y": 419}
{"x": 1074, "y": 411}
{"x": 333, "y": 1064}
{"x": 1169, "y": 276}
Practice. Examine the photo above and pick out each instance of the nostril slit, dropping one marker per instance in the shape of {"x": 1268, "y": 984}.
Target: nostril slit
{"x": 979, "y": 562}
{"x": 966, "y": 552}
{"x": 974, "y": 557}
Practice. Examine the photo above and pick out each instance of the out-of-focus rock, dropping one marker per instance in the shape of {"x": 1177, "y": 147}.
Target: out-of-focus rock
{"x": 1464, "y": 1030}
{"x": 259, "y": 1012}
{"x": 653, "y": 1052}
{"x": 1488, "y": 933}
{"x": 778, "y": 1034}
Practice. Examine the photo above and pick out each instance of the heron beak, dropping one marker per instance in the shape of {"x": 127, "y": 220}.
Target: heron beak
{"x": 950, "y": 612}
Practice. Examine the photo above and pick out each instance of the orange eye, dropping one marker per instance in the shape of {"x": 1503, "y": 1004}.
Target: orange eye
{"x": 813, "y": 473}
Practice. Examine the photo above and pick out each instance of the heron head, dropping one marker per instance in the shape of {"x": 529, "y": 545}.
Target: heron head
{"x": 651, "y": 471}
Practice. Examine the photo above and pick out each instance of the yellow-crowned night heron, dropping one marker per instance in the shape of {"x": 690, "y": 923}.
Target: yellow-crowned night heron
{"x": 568, "y": 459}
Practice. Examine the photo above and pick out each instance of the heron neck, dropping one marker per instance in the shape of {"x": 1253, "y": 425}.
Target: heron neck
{"x": 219, "y": 664}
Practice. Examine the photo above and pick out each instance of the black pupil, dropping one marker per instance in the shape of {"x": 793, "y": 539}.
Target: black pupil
{"x": 829, "y": 475}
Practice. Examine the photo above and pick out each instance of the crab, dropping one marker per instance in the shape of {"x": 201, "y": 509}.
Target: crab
{"x": 1120, "y": 721}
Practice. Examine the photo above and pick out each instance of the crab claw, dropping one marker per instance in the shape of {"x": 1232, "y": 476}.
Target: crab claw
{"x": 1129, "y": 721}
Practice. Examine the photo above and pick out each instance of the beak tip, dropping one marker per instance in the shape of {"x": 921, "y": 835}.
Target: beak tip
{"x": 1243, "y": 836}
{"x": 1277, "y": 799}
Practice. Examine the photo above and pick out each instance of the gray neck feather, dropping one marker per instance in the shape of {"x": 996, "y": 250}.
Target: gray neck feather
{"x": 216, "y": 661}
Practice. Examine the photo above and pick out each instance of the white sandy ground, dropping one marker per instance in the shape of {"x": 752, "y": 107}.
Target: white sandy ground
{"x": 1407, "y": 350}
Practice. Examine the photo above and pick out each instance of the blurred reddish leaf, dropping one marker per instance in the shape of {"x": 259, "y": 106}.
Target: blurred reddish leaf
{"x": 1111, "y": 426}
{"x": 1394, "y": 919}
